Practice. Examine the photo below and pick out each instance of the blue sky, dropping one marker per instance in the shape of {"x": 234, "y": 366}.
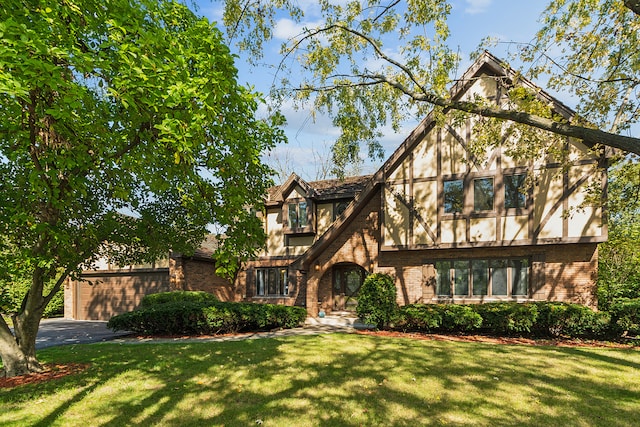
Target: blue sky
{"x": 470, "y": 22}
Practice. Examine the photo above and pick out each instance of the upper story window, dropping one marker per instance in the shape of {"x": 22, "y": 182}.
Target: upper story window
{"x": 514, "y": 193}
{"x": 299, "y": 216}
{"x": 453, "y": 196}
{"x": 339, "y": 208}
{"x": 483, "y": 194}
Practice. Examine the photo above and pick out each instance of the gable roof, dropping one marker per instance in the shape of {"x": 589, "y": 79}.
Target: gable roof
{"x": 485, "y": 64}
{"x": 328, "y": 189}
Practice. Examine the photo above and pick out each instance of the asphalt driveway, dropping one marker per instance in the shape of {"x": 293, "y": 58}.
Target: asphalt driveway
{"x": 54, "y": 332}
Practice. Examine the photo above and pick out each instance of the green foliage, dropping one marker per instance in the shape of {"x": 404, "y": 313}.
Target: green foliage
{"x": 197, "y": 318}
{"x": 619, "y": 257}
{"x": 438, "y": 318}
{"x": 377, "y": 300}
{"x": 570, "y": 320}
{"x": 508, "y": 318}
{"x": 123, "y": 107}
{"x": 596, "y": 44}
{"x": 13, "y": 291}
{"x": 548, "y": 319}
{"x": 625, "y": 317}
{"x": 177, "y": 296}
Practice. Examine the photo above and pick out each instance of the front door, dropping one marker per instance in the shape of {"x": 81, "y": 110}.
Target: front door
{"x": 347, "y": 281}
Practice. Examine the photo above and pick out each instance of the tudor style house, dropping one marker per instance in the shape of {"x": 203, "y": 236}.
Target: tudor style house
{"x": 448, "y": 224}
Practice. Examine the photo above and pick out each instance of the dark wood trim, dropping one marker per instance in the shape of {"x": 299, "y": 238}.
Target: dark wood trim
{"x": 496, "y": 244}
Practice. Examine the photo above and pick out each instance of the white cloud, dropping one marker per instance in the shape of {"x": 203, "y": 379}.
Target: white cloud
{"x": 477, "y": 6}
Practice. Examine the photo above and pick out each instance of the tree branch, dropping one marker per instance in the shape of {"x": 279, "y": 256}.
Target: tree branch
{"x": 633, "y": 5}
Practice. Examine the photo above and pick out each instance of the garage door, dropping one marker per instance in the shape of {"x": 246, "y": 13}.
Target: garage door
{"x": 107, "y": 294}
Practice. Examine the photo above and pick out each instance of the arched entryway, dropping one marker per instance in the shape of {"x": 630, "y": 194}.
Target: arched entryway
{"x": 347, "y": 280}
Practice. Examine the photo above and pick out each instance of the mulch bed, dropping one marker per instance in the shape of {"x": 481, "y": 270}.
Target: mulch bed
{"x": 51, "y": 372}
{"x": 558, "y": 342}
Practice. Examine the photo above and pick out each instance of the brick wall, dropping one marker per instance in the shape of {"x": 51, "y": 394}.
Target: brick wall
{"x": 193, "y": 274}
{"x": 356, "y": 244}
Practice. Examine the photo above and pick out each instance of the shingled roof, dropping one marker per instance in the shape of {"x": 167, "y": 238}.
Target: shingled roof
{"x": 328, "y": 189}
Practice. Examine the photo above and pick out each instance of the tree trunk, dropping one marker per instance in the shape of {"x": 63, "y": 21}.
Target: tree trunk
{"x": 15, "y": 360}
{"x": 18, "y": 349}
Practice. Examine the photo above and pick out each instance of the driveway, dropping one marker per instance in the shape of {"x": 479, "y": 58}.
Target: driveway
{"x": 54, "y": 332}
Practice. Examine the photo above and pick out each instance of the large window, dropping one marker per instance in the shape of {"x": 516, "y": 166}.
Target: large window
{"x": 453, "y": 196}
{"x": 466, "y": 278}
{"x": 483, "y": 194}
{"x": 272, "y": 281}
{"x": 514, "y": 191}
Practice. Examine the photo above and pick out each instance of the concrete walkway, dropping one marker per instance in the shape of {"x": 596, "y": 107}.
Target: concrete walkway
{"x": 306, "y": 330}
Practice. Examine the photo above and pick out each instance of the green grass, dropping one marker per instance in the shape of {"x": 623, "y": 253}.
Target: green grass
{"x": 332, "y": 380}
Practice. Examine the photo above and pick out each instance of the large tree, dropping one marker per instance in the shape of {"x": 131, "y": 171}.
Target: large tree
{"x": 370, "y": 63}
{"x": 123, "y": 134}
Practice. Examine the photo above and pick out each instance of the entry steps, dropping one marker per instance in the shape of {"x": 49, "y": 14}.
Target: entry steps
{"x": 345, "y": 319}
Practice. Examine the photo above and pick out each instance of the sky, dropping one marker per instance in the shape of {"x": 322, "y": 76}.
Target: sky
{"x": 470, "y": 22}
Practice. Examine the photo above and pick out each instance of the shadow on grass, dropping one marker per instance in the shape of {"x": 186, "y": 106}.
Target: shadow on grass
{"x": 340, "y": 380}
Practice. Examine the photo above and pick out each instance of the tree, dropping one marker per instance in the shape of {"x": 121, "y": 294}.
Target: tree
{"x": 123, "y": 133}
{"x": 353, "y": 71}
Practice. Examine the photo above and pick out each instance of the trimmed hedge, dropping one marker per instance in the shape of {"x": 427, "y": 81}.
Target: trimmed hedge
{"x": 177, "y": 296}
{"x": 548, "y": 319}
{"x": 201, "y": 318}
{"x": 438, "y": 318}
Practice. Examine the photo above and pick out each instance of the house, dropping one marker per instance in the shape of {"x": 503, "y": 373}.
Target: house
{"x": 448, "y": 224}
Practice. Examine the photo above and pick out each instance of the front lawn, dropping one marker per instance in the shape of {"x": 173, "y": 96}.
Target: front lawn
{"x": 332, "y": 380}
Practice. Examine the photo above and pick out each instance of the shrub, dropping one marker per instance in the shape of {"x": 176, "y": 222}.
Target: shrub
{"x": 507, "y": 318}
{"x": 438, "y": 318}
{"x": 198, "y": 318}
{"x": 377, "y": 300}
{"x": 570, "y": 320}
{"x": 625, "y": 317}
{"x": 177, "y": 296}
{"x": 460, "y": 318}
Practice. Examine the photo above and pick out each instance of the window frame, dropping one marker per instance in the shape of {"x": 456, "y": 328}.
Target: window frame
{"x": 476, "y": 197}
{"x": 526, "y": 196}
{"x": 445, "y": 209}
{"x": 280, "y": 286}
{"x": 298, "y": 228}
{"x": 448, "y": 270}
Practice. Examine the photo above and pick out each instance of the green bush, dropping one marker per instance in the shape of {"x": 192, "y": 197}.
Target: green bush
{"x": 570, "y": 320}
{"x": 438, "y": 318}
{"x": 419, "y": 317}
{"x": 198, "y": 318}
{"x": 377, "y": 300}
{"x": 177, "y": 296}
{"x": 625, "y": 317}
{"x": 460, "y": 318}
{"x": 507, "y": 317}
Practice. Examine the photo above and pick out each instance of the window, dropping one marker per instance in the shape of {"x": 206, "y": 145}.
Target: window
{"x": 514, "y": 195}
{"x": 453, "y": 196}
{"x": 298, "y": 214}
{"x": 272, "y": 281}
{"x": 501, "y": 278}
{"x": 483, "y": 194}
{"x": 339, "y": 208}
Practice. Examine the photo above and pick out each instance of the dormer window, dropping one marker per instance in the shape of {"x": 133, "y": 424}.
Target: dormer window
{"x": 299, "y": 215}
